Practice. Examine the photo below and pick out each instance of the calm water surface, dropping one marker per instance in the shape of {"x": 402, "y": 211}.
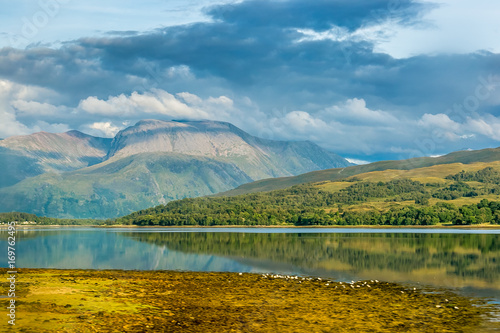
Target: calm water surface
{"x": 468, "y": 260}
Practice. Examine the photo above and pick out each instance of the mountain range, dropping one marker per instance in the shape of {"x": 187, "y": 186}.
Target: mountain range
{"x": 75, "y": 175}
{"x": 459, "y": 159}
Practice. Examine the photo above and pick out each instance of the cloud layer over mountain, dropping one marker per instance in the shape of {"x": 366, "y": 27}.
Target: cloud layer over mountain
{"x": 367, "y": 79}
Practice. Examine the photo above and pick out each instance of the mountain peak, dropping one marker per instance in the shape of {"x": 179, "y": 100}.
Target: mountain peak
{"x": 156, "y": 123}
{"x": 201, "y": 125}
{"x": 149, "y": 163}
{"x": 173, "y": 125}
{"x": 222, "y": 140}
{"x": 199, "y": 138}
{"x": 59, "y": 151}
{"x": 78, "y": 134}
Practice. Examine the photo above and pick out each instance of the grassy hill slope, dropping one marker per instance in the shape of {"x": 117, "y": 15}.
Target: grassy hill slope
{"x": 464, "y": 157}
{"x": 447, "y": 193}
{"x": 27, "y": 156}
{"x": 121, "y": 186}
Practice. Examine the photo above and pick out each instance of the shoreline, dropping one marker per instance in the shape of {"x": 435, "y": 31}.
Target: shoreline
{"x": 445, "y": 226}
{"x": 317, "y": 226}
{"x": 155, "y": 301}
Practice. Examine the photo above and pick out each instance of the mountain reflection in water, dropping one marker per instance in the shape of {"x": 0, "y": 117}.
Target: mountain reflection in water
{"x": 457, "y": 260}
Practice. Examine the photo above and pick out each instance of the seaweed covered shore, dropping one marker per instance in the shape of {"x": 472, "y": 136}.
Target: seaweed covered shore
{"x": 170, "y": 301}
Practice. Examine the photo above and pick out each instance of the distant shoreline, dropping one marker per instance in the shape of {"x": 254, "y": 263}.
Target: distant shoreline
{"x": 485, "y": 226}
{"x": 481, "y": 226}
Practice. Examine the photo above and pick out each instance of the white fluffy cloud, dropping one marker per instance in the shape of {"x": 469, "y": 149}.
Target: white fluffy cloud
{"x": 355, "y": 110}
{"x": 488, "y": 126}
{"x": 338, "y": 127}
{"x": 15, "y": 99}
{"x": 107, "y": 129}
{"x": 304, "y": 122}
{"x": 159, "y": 102}
{"x": 439, "y": 120}
{"x": 34, "y": 108}
{"x": 350, "y": 127}
{"x": 104, "y": 117}
{"x": 50, "y": 127}
{"x": 475, "y": 125}
{"x": 9, "y": 126}
{"x": 118, "y": 110}
{"x": 357, "y": 161}
{"x": 441, "y": 125}
{"x": 155, "y": 102}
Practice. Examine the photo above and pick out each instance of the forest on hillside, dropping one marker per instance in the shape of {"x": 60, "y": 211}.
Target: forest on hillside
{"x": 312, "y": 204}
{"x": 308, "y": 204}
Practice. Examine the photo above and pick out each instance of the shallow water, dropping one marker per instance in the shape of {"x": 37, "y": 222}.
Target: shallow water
{"x": 468, "y": 260}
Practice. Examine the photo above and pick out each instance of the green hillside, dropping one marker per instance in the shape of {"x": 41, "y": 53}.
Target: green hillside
{"x": 15, "y": 167}
{"x": 463, "y": 189}
{"x": 465, "y": 157}
{"x": 424, "y": 196}
{"x": 119, "y": 187}
{"x": 27, "y": 156}
{"x": 73, "y": 175}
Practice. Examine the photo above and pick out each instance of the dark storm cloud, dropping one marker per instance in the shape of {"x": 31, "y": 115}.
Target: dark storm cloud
{"x": 122, "y": 33}
{"x": 317, "y": 15}
{"x": 254, "y": 49}
{"x": 71, "y": 70}
{"x": 251, "y": 43}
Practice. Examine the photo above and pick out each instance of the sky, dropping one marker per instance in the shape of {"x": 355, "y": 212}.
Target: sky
{"x": 368, "y": 79}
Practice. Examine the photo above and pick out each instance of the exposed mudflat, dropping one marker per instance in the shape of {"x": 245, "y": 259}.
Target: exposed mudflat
{"x": 169, "y": 301}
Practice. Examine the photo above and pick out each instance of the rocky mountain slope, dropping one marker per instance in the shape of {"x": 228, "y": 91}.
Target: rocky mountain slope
{"x": 30, "y": 155}
{"x": 258, "y": 158}
{"x": 150, "y": 163}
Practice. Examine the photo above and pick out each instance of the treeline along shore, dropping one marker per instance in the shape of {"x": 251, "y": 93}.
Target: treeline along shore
{"x": 350, "y": 202}
{"x": 231, "y": 211}
{"x": 465, "y": 198}
{"x": 225, "y": 212}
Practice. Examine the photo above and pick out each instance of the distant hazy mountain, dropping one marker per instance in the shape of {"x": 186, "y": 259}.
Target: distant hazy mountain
{"x": 30, "y": 155}
{"x": 258, "y": 158}
{"x": 147, "y": 164}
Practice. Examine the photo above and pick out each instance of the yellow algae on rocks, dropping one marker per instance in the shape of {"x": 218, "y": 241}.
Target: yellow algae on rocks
{"x": 171, "y": 301}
